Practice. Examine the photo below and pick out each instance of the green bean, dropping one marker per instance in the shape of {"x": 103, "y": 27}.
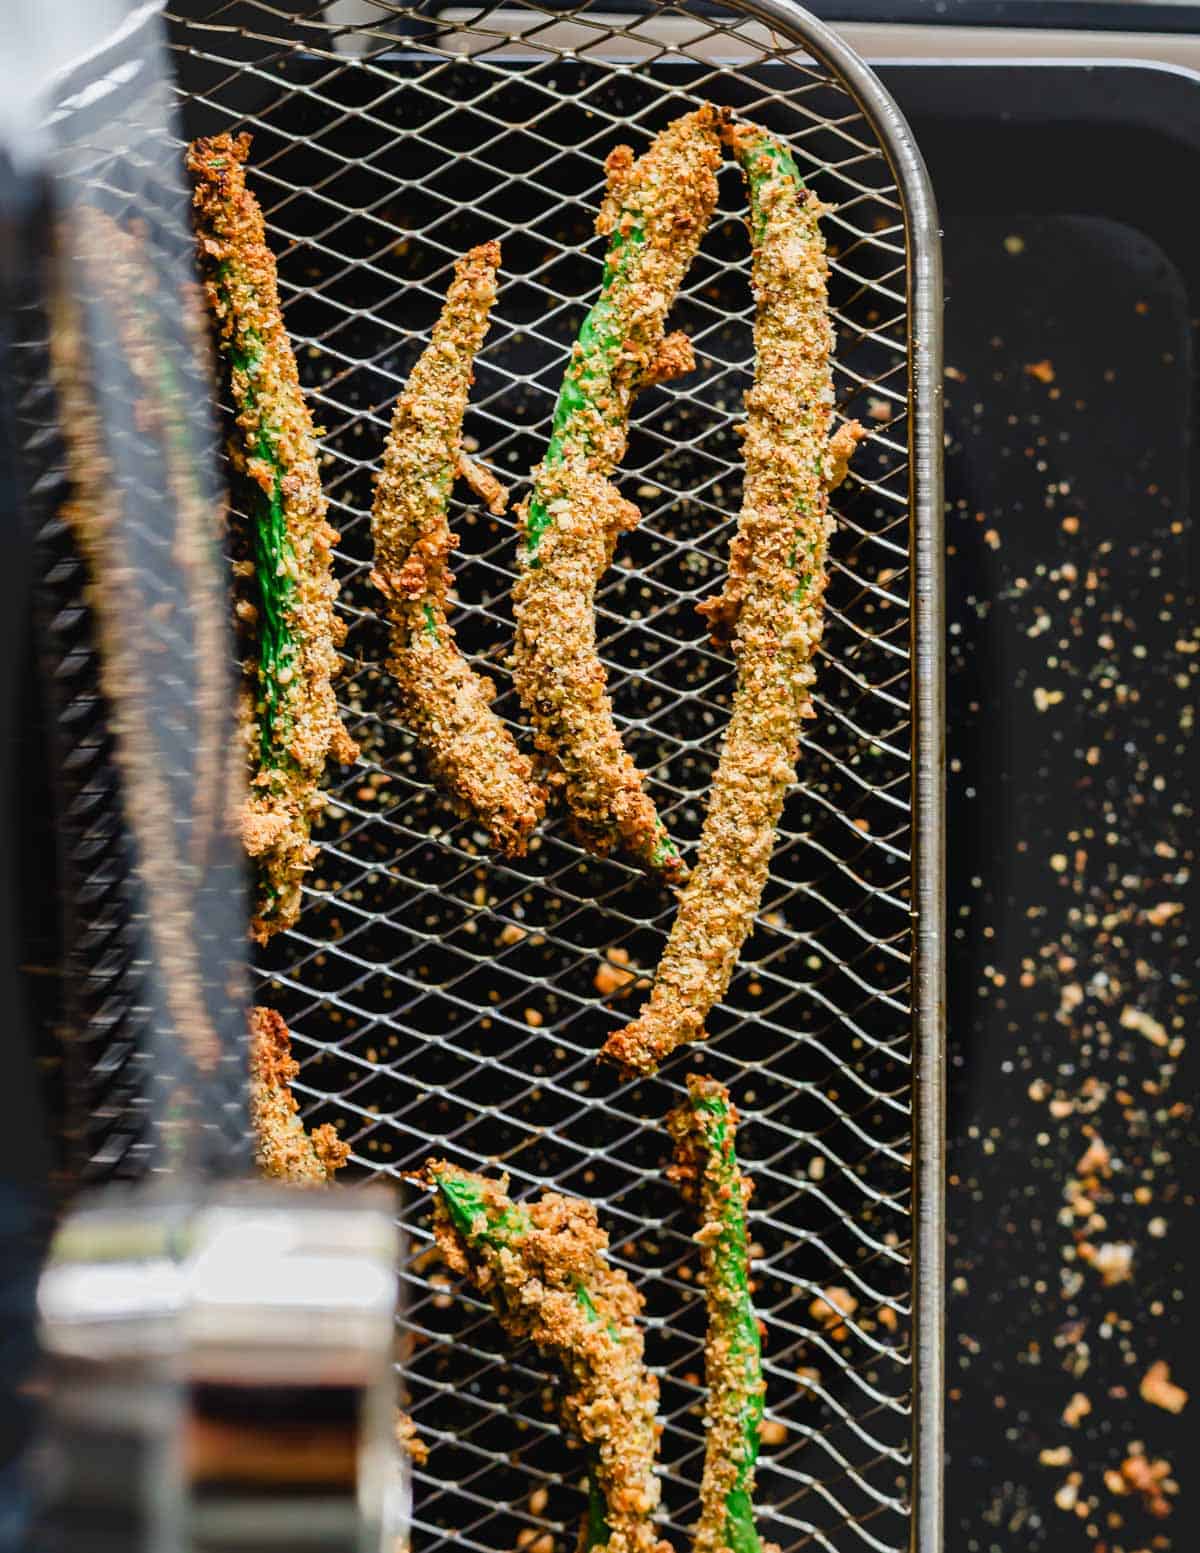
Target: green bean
{"x": 284, "y": 1149}
{"x": 289, "y": 714}
{"x": 655, "y": 213}
{"x": 772, "y": 606}
{"x": 546, "y": 1271}
{"x": 441, "y": 698}
{"x": 706, "y": 1168}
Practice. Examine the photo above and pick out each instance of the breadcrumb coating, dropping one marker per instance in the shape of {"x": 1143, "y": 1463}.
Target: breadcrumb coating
{"x": 772, "y": 606}
{"x": 283, "y": 1149}
{"x": 408, "y": 1441}
{"x": 546, "y": 1271}
{"x": 289, "y": 715}
{"x": 705, "y": 1167}
{"x": 441, "y": 698}
{"x": 655, "y": 213}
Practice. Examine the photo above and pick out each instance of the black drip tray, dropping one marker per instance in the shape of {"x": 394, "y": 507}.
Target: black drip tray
{"x": 1073, "y": 277}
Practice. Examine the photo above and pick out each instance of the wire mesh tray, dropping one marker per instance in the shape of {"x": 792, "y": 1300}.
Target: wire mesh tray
{"x": 445, "y": 1000}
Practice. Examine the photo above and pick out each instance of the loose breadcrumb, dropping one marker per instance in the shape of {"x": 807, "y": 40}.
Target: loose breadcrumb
{"x": 1159, "y": 1390}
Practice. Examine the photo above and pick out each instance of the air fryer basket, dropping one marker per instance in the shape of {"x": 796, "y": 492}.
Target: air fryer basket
{"x": 445, "y": 1001}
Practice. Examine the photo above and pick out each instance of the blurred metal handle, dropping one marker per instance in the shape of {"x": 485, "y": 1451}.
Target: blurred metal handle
{"x": 289, "y": 1337}
{"x": 221, "y": 1375}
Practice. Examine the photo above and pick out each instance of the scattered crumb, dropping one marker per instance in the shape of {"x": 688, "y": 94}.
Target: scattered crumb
{"x": 1067, "y": 1494}
{"x": 830, "y": 1307}
{"x": 1043, "y": 371}
{"x": 1113, "y": 1260}
{"x": 510, "y": 934}
{"x": 1014, "y": 244}
{"x": 772, "y": 1432}
{"x": 534, "y": 1017}
{"x": 1159, "y": 1390}
{"x": 538, "y": 1501}
{"x": 1150, "y": 1479}
{"x": 1144, "y": 1024}
{"x": 1059, "y": 1456}
{"x": 612, "y": 974}
{"x": 1163, "y": 912}
{"x": 1096, "y": 1159}
{"x": 1076, "y": 1410}
{"x": 878, "y": 409}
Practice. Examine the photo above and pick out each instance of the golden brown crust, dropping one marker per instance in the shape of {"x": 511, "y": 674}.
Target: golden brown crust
{"x": 283, "y": 1150}
{"x": 656, "y": 210}
{"x": 408, "y": 1440}
{"x": 772, "y": 605}
{"x": 289, "y": 714}
{"x": 533, "y": 1275}
{"x": 446, "y": 704}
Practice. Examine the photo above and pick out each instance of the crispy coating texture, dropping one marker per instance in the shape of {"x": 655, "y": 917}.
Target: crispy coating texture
{"x": 772, "y": 605}
{"x": 705, "y": 1167}
{"x": 289, "y": 715}
{"x": 655, "y": 212}
{"x": 408, "y": 1441}
{"x": 283, "y": 1150}
{"x": 446, "y": 704}
{"x": 113, "y": 271}
{"x": 546, "y": 1271}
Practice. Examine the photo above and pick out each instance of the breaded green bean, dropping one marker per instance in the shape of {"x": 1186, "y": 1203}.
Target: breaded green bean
{"x": 705, "y": 1166}
{"x": 655, "y": 213}
{"x": 441, "y": 698}
{"x": 290, "y": 716}
{"x": 284, "y": 1149}
{"x": 772, "y": 606}
{"x": 545, "y": 1269}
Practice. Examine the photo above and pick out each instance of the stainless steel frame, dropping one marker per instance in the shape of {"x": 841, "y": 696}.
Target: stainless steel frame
{"x": 445, "y": 1002}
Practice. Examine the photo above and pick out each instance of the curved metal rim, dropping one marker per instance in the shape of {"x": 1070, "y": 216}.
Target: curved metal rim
{"x": 927, "y": 643}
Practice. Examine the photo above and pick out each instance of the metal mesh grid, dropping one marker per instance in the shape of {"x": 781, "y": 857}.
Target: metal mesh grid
{"x": 445, "y": 1001}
